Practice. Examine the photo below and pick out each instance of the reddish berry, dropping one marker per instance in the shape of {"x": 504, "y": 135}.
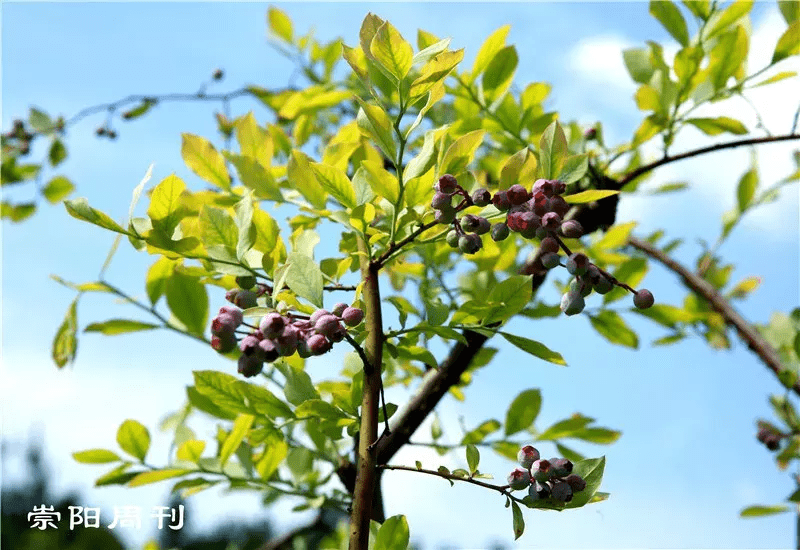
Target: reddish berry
{"x": 519, "y": 479}
{"x": 353, "y": 316}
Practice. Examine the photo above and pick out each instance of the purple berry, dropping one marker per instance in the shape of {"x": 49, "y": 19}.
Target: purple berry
{"x": 445, "y": 216}
{"x": 223, "y": 324}
{"x": 577, "y": 483}
{"x": 500, "y": 201}
{"x": 250, "y": 365}
{"x": 447, "y": 184}
{"x": 561, "y": 491}
{"x": 581, "y": 285}
{"x": 519, "y": 479}
{"x": 541, "y": 470}
{"x": 548, "y": 244}
{"x": 577, "y": 263}
{"x": 527, "y": 455}
{"x": 272, "y": 324}
{"x": 224, "y": 343}
{"x": 469, "y": 223}
{"x": 561, "y": 466}
{"x": 571, "y": 229}
{"x": 353, "y": 316}
{"x": 542, "y": 489}
{"x": 286, "y": 343}
{"x": 483, "y": 226}
{"x": 249, "y": 345}
{"x": 234, "y": 312}
{"x": 338, "y": 309}
{"x": 318, "y": 344}
{"x": 317, "y": 314}
{"x": 327, "y": 325}
{"x": 558, "y": 205}
{"x": 441, "y": 201}
{"x": 481, "y": 197}
{"x": 551, "y": 221}
{"x": 270, "y": 352}
{"x": 643, "y": 299}
{"x": 517, "y": 194}
{"x": 470, "y": 244}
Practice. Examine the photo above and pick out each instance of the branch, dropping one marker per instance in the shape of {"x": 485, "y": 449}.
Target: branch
{"x": 502, "y": 489}
{"x": 627, "y": 178}
{"x": 747, "y": 333}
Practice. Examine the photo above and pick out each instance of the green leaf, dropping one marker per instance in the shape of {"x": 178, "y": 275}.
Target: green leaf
{"x": 317, "y": 408}
{"x": 248, "y": 234}
{"x": 723, "y": 20}
{"x": 589, "y": 195}
{"x": 238, "y": 432}
{"x": 382, "y": 183}
{"x": 204, "y": 160}
{"x": 188, "y": 301}
{"x": 574, "y": 168}
{"x": 57, "y": 188}
{"x": 552, "y": 150}
{"x": 80, "y": 209}
{"x": 600, "y": 436}
{"x": 117, "y": 476}
{"x": 134, "y": 439}
{"x": 40, "y": 121}
{"x": 591, "y": 470}
{"x": 776, "y": 78}
{"x": 96, "y": 456}
{"x": 57, "y": 152}
{"x": 461, "y": 152}
{"x": 18, "y": 212}
{"x": 298, "y": 387}
{"x": 535, "y": 348}
{"x": 217, "y": 227}
{"x": 139, "y": 110}
{"x": 233, "y": 395}
{"x": 481, "y": 432}
{"x": 790, "y": 9}
{"x": 788, "y": 44}
{"x": 166, "y": 207}
{"x": 335, "y": 182}
{"x": 718, "y": 125}
{"x": 145, "y": 478}
{"x": 391, "y": 51}
{"x": 499, "y": 73}
{"x": 473, "y": 458}
{"x": 746, "y": 189}
{"x": 279, "y": 24}
{"x": 373, "y": 121}
{"x": 191, "y": 450}
{"x": 255, "y": 176}
{"x": 700, "y": 8}
{"x": 275, "y": 452}
{"x": 424, "y": 160}
{"x": 489, "y": 48}
{"x": 670, "y": 17}
{"x": 521, "y": 166}
{"x": 434, "y": 72}
{"x": 761, "y": 511}
{"x": 65, "y": 343}
{"x": 157, "y": 276}
{"x": 302, "y": 178}
{"x": 393, "y": 534}
{"x": 519, "y": 521}
{"x": 613, "y": 328}
{"x": 523, "y": 411}
{"x": 304, "y": 277}
{"x": 119, "y": 326}
{"x": 637, "y": 61}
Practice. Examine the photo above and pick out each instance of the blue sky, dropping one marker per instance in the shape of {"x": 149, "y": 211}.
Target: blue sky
{"x": 688, "y": 460}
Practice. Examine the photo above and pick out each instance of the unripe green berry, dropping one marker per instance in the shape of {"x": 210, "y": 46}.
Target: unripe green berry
{"x": 452, "y": 238}
{"x": 572, "y": 303}
{"x": 339, "y": 308}
{"x": 499, "y": 232}
{"x": 643, "y": 299}
{"x": 550, "y": 260}
{"x": 580, "y": 286}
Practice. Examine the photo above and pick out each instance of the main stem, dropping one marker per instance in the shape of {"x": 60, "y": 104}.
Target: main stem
{"x": 366, "y": 470}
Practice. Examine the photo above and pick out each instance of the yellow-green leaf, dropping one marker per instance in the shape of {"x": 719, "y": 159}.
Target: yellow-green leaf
{"x": 134, "y": 439}
{"x": 240, "y": 428}
{"x": 391, "y": 51}
{"x": 65, "y": 343}
{"x": 146, "y": 478}
{"x": 381, "y": 181}
{"x": 204, "y": 160}
{"x": 435, "y": 71}
{"x": 670, "y": 17}
{"x": 301, "y": 177}
{"x": 335, "y": 182}
{"x": 461, "y": 152}
{"x": 191, "y": 450}
{"x": 375, "y": 123}
{"x": 717, "y": 125}
{"x": 80, "y": 209}
{"x": 489, "y": 48}
{"x": 96, "y": 456}
{"x": 279, "y": 24}
{"x": 788, "y": 43}
{"x": 57, "y": 188}
{"x": 119, "y": 326}
{"x": 166, "y": 209}
{"x": 590, "y": 195}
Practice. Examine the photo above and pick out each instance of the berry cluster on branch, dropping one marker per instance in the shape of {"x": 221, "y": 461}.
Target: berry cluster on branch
{"x": 278, "y": 334}
{"x": 536, "y": 214}
{"x": 551, "y": 480}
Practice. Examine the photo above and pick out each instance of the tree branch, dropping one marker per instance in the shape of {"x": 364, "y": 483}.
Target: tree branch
{"x": 502, "y": 489}
{"x": 747, "y": 333}
{"x": 627, "y": 178}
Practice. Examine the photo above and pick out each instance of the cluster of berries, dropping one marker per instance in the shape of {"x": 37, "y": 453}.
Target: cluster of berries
{"x": 769, "y": 435}
{"x": 538, "y": 213}
{"x": 545, "y": 479}
{"x": 21, "y": 137}
{"x": 281, "y": 335}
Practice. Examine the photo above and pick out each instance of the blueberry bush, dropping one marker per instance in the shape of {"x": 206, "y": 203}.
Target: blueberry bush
{"x": 454, "y": 196}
